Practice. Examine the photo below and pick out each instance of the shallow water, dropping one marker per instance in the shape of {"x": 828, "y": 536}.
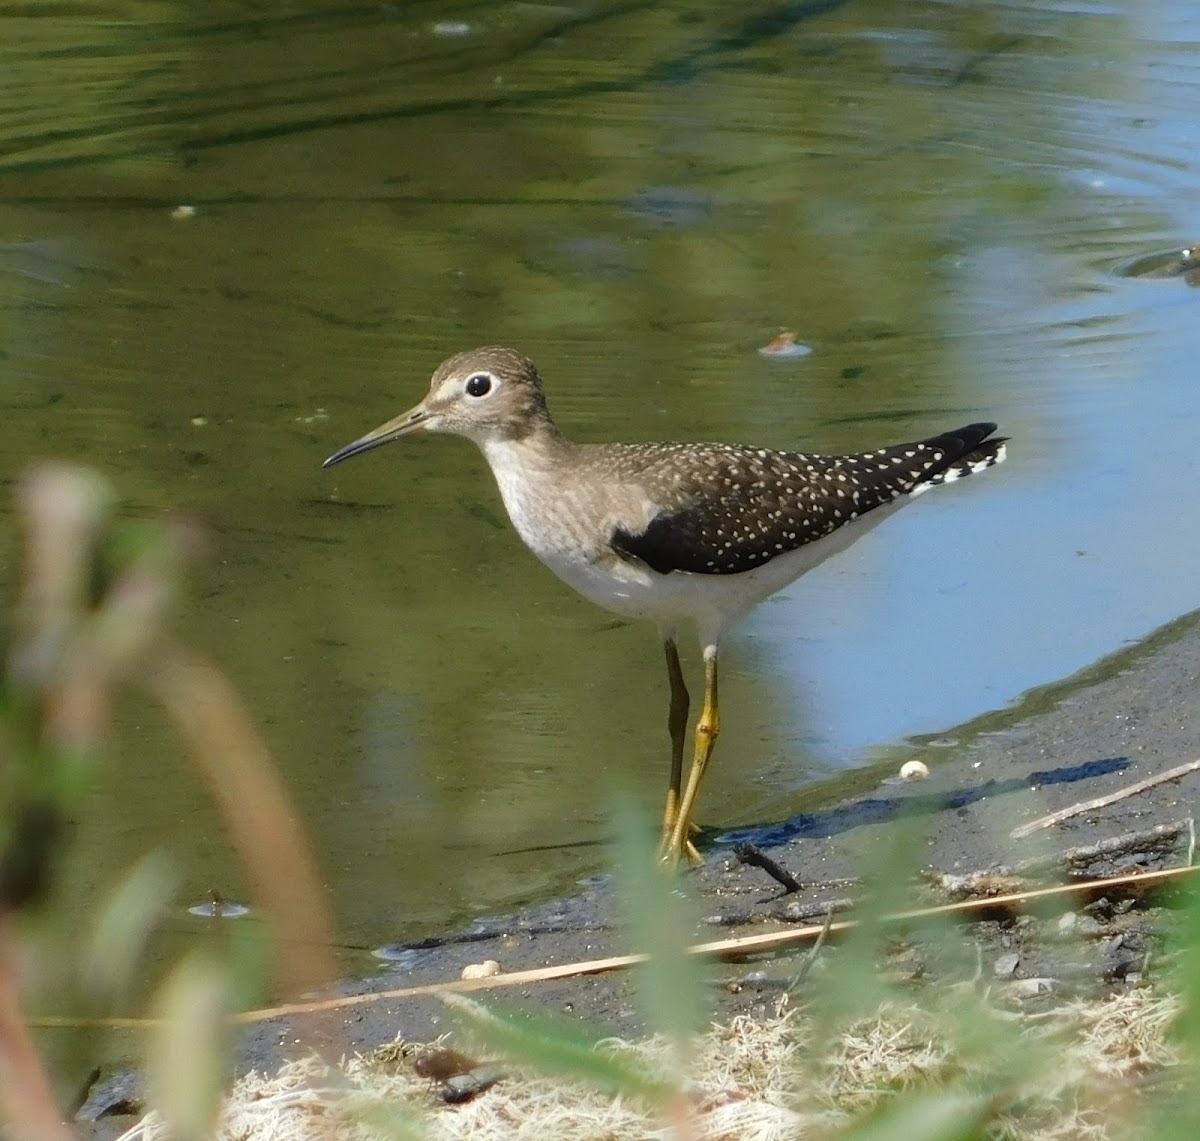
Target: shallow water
{"x": 938, "y": 198}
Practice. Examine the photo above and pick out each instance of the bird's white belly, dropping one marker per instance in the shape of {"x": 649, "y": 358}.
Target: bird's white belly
{"x": 625, "y": 588}
{"x": 713, "y": 602}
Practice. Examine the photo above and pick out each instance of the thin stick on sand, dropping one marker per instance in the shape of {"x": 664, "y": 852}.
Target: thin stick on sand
{"x": 1103, "y": 801}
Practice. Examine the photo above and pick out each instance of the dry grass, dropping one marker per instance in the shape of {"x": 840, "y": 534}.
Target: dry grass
{"x": 747, "y": 1080}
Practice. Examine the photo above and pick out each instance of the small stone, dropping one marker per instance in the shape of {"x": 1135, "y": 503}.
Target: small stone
{"x": 1006, "y": 965}
{"x": 484, "y": 970}
{"x": 464, "y": 1087}
{"x": 1032, "y": 988}
{"x": 118, "y": 1094}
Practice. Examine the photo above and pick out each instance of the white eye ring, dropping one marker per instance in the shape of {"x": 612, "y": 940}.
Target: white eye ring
{"x": 480, "y": 384}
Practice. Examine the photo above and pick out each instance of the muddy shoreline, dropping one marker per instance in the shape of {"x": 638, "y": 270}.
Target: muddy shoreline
{"x": 1127, "y": 718}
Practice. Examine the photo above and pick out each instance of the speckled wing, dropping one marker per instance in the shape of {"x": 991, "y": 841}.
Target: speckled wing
{"x": 733, "y": 509}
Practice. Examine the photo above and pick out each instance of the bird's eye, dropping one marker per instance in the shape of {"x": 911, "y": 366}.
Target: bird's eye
{"x": 479, "y": 385}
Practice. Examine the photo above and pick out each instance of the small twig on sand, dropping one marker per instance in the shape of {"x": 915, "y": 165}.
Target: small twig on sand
{"x": 811, "y": 957}
{"x": 1014, "y": 877}
{"x": 801, "y": 911}
{"x": 754, "y": 856}
{"x": 1102, "y": 801}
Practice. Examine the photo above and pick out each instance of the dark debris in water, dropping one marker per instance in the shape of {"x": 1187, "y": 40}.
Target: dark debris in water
{"x": 1184, "y": 263}
{"x": 784, "y": 347}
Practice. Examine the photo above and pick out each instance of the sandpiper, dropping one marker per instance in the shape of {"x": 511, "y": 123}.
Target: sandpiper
{"x": 672, "y": 532}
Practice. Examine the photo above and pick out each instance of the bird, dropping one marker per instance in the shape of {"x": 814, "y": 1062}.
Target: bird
{"x": 673, "y": 533}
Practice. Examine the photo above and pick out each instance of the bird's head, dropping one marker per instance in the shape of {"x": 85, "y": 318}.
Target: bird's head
{"x": 486, "y": 394}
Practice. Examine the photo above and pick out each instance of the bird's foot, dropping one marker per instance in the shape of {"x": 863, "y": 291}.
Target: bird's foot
{"x": 670, "y": 855}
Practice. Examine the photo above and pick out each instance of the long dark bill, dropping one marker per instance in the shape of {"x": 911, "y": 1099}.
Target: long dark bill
{"x": 401, "y": 425}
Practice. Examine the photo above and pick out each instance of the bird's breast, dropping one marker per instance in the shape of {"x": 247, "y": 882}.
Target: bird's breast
{"x": 568, "y": 526}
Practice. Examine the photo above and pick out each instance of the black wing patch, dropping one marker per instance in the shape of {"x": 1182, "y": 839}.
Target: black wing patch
{"x": 742, "y": 507}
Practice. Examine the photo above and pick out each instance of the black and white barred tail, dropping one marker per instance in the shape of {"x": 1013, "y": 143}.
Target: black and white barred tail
{"x": 983, "y": 453}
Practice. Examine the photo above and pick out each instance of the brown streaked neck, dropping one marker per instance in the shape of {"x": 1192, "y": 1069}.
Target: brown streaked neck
{"x": 539, "y": 444}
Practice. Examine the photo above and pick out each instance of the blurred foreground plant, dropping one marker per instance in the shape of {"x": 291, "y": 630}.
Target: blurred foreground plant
{"x": 671, "y": 989}
{"x": 91, "y": 616}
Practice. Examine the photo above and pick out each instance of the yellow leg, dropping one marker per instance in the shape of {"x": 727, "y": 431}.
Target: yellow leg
{"x": 679, "y": 844}
{"x": 677, "y": 724}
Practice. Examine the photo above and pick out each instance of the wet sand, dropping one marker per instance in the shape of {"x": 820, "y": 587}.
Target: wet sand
{"x": 1128, "y": 718}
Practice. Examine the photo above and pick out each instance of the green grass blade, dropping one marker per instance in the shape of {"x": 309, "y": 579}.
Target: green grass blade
{"x": 554, "y": 1045}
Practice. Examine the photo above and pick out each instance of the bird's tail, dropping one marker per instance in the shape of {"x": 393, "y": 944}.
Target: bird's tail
{"x": 965, "y": 452}
{"x": 985, "y": 456}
